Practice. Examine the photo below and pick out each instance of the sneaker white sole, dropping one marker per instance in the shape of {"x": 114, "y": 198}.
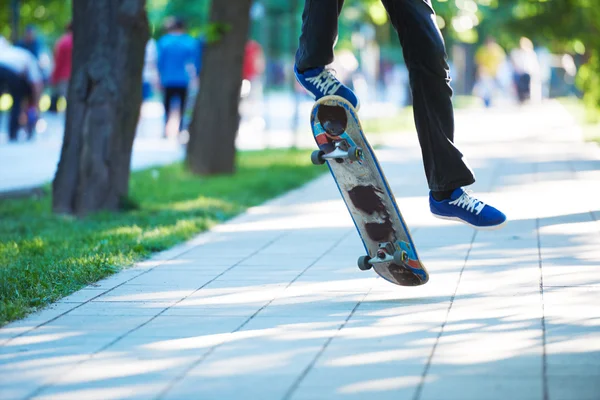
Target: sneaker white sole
{"x": 481, "y": 228}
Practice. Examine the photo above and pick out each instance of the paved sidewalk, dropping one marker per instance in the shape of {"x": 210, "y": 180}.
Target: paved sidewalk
{"x": 272, "y": 306}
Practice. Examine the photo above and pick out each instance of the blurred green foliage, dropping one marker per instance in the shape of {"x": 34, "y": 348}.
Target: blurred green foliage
{"x": 49, "y": 16}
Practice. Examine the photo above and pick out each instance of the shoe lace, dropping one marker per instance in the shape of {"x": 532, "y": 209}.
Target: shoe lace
{"x": 469, "y": 203}
{"x": 325, "y": 82}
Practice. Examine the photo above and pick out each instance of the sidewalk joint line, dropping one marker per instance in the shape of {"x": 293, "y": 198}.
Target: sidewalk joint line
{"x": 543, "y": 319}
{"x": 311, "y": 365}
{"x": 545, "y": 393}
{"x": 419, "y": 389}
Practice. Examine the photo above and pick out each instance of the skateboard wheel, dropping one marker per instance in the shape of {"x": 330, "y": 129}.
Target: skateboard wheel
{"x": 317, "y": 157}
{"x": 400, "y": 257}
{"x": 339, "y": 160}
{"x": 363, "y": 263}
{"x": 354, "y": 153}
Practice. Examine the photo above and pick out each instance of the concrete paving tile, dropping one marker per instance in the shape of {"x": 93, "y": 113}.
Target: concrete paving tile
{"x": 121, "y": 308}
{"x": 83, "y": 295}
{"x": 190, "y": 308}
{"x": 393, "y": 381}
{"x": 202, "y": 259}
{"x": 571, "y": 273}
{"x": 482, "y": 387}
{"x": 147, "y": 293}
{"x": 314, "y": 282}
{"x": 97, "y": 323}
{"x": 574, "y": 363}
{"x": 573, "y": 350}
{"x": 267, "y": 260}
{"x": 282, "y": 278}
{"x": 584, "y": 387}
{"x": 130, "y": 390}
{"x": 286, "y": 251}
{"x": 28, "y": 366}
{"x": 263, "y": 387}
{"x": 186, "y": 326}
{"x": 188, "y": 280}
{"x": 241, "y": 288}
{"x": 293, "y": 322}
{"x": 119, "y": 374}
{"x": 117, "y": 279}
{"x": 34, "y": 320}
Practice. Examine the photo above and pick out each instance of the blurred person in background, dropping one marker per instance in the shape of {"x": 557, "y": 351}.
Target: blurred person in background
{"x": 30, "y": 41}
{"x": 425, "y": 55}
{"x": 253, "y": 68}
{"x": 194, "y": 85}
{"x": 489, "y": 58}
{"x": 177, "y": 57}
{"x": 545, "y": 60}
{"x": 527, "y": 74}
{"x": 21, "y": 77}
{"x": 61, "y": 74}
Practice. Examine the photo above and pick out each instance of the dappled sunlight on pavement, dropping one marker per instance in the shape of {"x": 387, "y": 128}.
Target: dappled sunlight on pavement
{"x": 271, "y": 305}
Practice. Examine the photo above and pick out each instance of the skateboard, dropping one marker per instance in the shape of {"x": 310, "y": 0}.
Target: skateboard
{"x": 390, "y": 250}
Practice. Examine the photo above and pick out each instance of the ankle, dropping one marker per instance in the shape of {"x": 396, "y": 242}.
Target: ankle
{"x": 439, "y": 195}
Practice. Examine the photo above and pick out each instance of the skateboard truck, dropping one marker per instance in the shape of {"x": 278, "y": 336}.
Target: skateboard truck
{"x": 386, "y": 253}
{"x": 353, "y": 153}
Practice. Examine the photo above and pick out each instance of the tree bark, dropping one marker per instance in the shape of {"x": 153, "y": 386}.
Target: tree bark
{"x": 215, "y": 122}
{"x": 103, "y": 105}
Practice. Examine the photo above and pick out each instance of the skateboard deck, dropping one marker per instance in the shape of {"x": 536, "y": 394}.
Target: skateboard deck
{"x": 366, "y": 192}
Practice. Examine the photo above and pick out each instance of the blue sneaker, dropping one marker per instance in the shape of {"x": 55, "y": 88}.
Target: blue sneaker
{"x": 320, "y": 82}
{"x": 465, "y": 208}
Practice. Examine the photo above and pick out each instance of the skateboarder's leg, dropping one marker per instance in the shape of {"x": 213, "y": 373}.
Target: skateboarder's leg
{"x": 319, "y": 33}
{"x": 445, "y": 168}
{"x": 425, "y": 57}
{"x": 315, "y": 51}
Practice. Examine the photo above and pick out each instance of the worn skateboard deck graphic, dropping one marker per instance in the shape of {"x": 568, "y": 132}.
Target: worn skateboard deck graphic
{"x": 364, "y": 188}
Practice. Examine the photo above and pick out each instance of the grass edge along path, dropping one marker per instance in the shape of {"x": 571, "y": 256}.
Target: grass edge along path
{"x": 588, "y": 120}
{"x": 44, "y": 257}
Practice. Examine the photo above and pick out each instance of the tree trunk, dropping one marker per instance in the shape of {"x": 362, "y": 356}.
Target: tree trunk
{"x": 104, "y": 100}
{"x": 215, "y": 122}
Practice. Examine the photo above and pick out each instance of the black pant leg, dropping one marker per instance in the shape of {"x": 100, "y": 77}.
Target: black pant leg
{"x": 15, "y": 112}
{"x": 319, "y": 33}
{"x": 167, "y": 100}
{"x": 182, "y": 94}
{"x": 425, "y": 56}
{"x": 18, "y": 89}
